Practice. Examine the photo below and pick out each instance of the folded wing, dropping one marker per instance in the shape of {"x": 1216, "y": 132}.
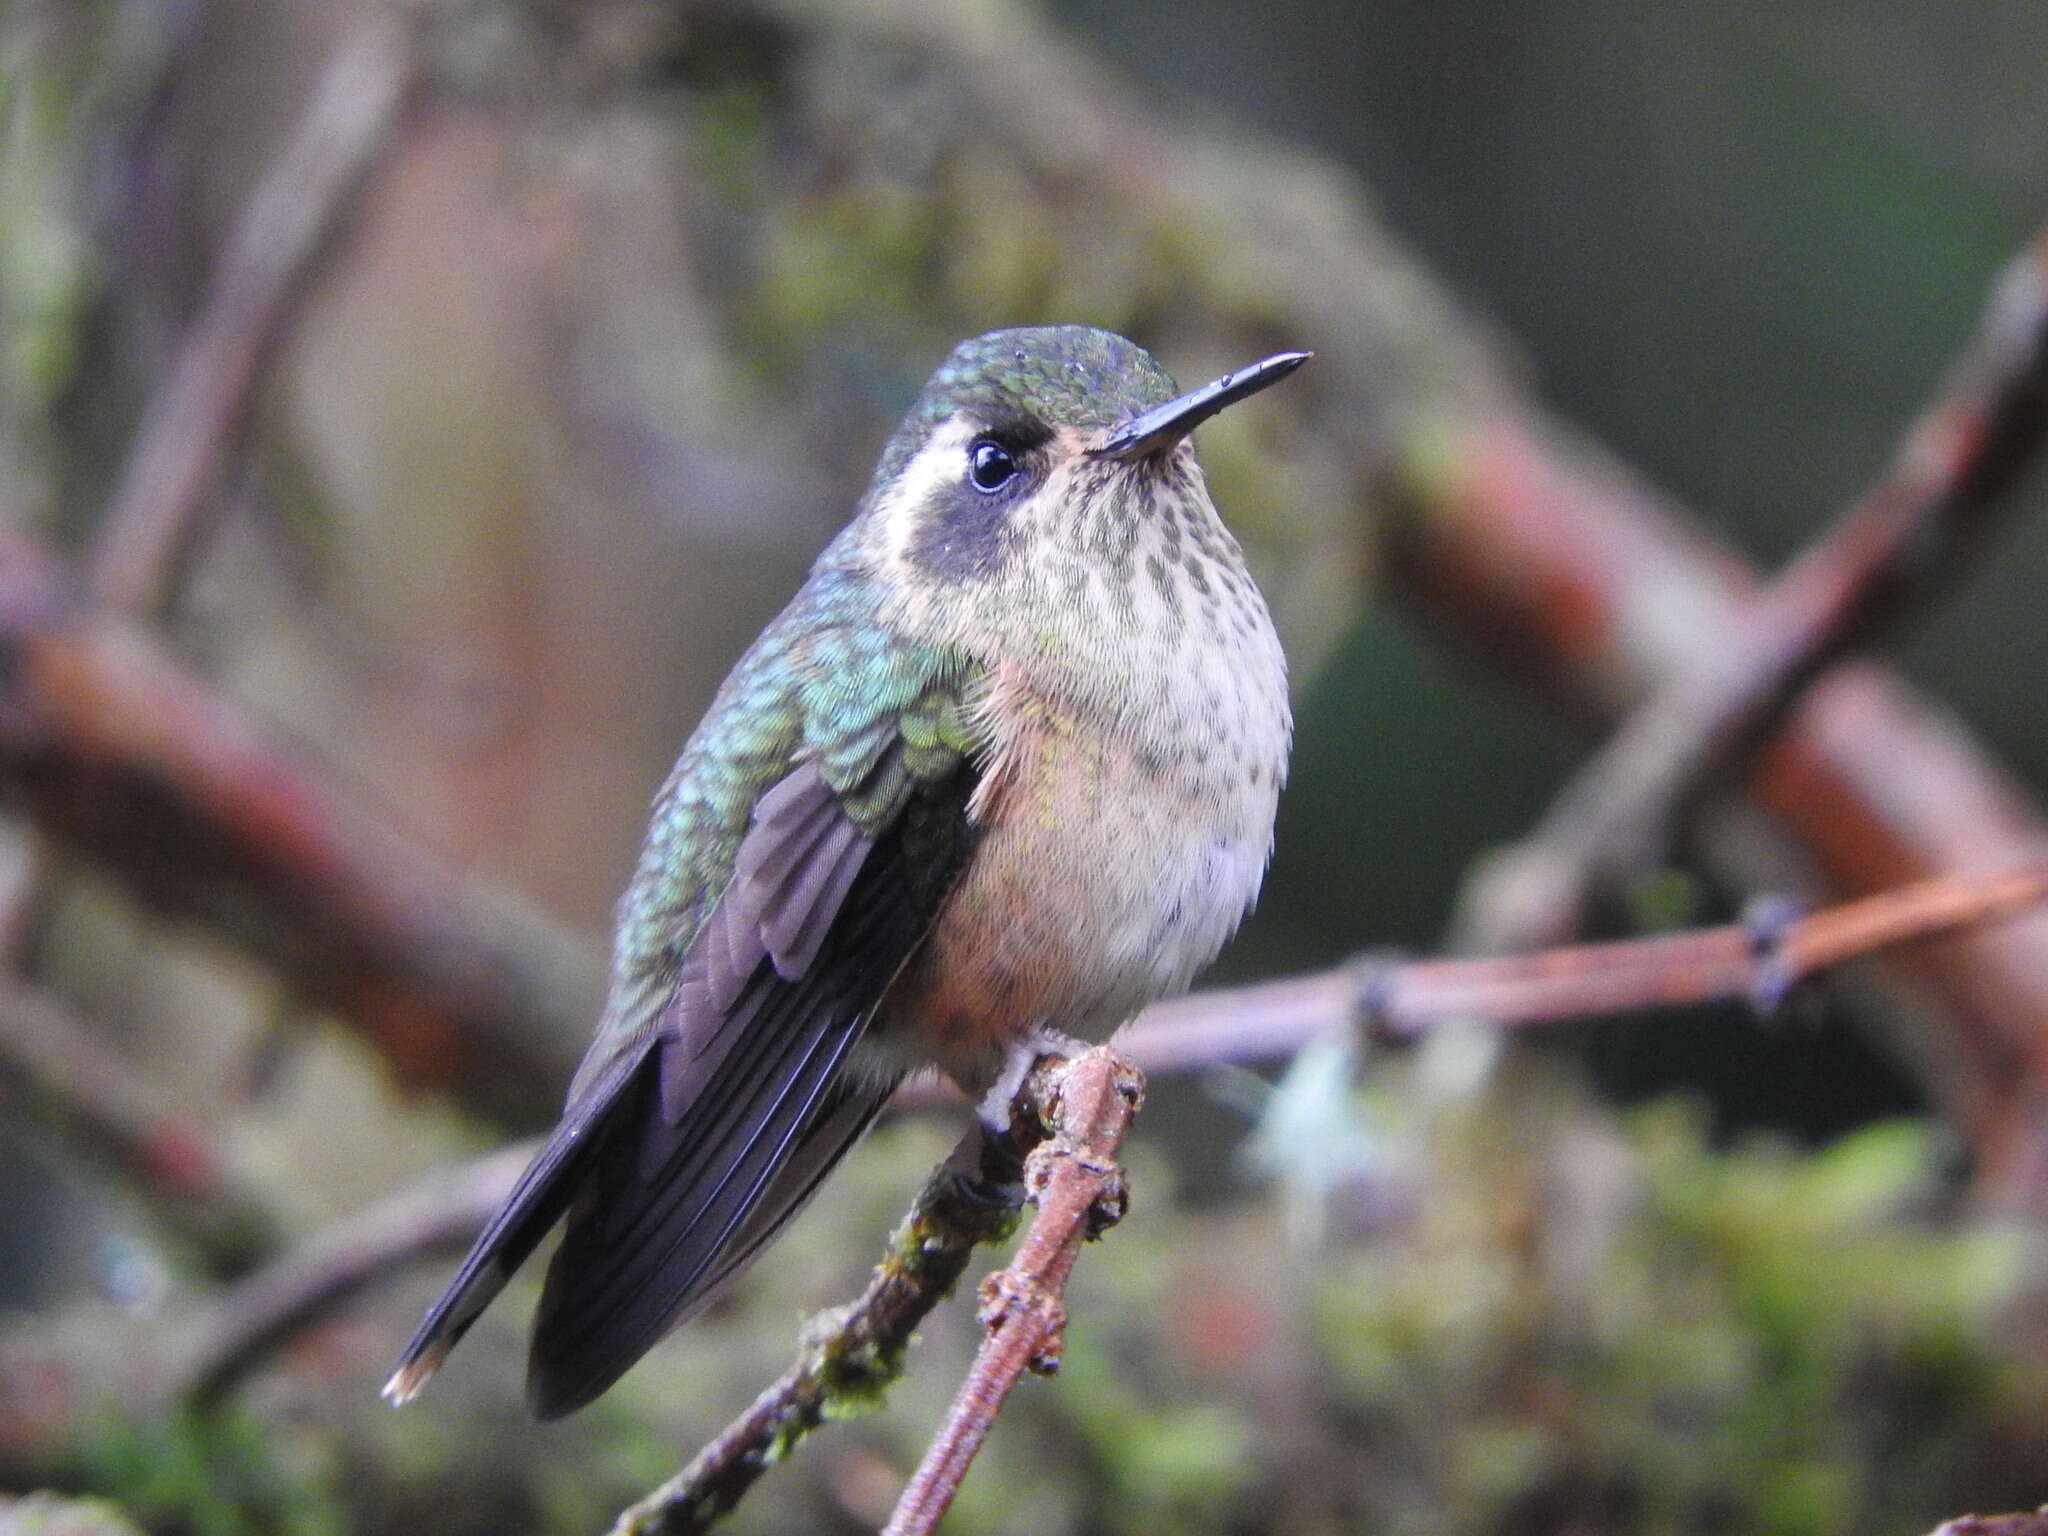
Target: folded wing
{"x": 678, "y": 1160}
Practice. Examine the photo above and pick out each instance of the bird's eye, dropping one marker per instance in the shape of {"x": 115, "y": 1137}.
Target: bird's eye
{"x": 990, "y": 465}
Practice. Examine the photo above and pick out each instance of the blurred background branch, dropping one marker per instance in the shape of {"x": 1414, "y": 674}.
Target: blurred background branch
{"x": 200, "y": 411}
{"x": 126, "y": 756}
{"x": 1957, "y": 465}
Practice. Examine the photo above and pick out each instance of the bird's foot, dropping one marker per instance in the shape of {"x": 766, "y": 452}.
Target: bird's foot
{"x": 1770, "y": 919}
{"x": 986, "y": 1170}
{"x": 988, "y": 1165}
{"x": 997, "y": 1109}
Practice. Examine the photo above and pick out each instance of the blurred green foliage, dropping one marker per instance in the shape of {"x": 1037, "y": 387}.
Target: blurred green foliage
{"x": 1694, "y": 1341}
{"x": 42, "y": 1514}
{"x": 1764, "y": 1341}
{"x": 228, "y": 1472}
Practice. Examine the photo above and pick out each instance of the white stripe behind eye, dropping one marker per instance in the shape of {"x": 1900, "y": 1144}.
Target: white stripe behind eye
{"x": 940, "y": 463}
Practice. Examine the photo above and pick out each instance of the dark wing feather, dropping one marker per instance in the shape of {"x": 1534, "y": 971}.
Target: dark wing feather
{"x": 738, "y": 1112}
{"x": 740, "y": 1115}
{"x": 837, "y": 1126}
{"x": 699, "y": 1143}
{"x": 794, "y": 879}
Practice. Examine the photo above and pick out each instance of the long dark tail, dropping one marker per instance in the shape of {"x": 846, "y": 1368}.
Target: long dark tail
{"x": 668, "y": 1219}
{"x": 536, "y": 1203}
{"x": 661, "y": 1219}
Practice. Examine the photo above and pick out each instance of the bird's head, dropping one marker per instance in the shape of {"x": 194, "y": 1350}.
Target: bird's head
{"x": 1044, "y": 445}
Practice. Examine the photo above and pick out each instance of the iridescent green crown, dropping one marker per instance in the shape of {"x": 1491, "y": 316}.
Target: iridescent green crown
{"x": 1068, "y": 375}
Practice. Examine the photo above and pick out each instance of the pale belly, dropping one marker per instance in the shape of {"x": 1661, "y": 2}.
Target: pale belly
{"x": 1100, "y": 884}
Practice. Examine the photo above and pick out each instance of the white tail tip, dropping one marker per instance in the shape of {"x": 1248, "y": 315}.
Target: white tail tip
{"x": 409, "y": 1378}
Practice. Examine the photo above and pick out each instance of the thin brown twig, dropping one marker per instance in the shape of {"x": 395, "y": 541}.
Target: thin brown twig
{"x": 1397, "y": 1001}
{"x": 1887, "y": 553}
{"x": 194, "y": 421}
{"x": 251, "y": 1318}
{"x": 1075, "y": 1181}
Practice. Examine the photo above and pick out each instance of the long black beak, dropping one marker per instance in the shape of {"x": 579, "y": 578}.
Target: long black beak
{"x": 1164, "y": 425}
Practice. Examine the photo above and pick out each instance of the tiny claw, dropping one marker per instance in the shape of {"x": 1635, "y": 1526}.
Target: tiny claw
{"x": 984, "y": 1195}
{"x": 985, "y": 1170}
{"x": 1110, "y": 1203}
{"x": 1768, "y": 920}
{"x": 996, "y": 1109}
{"x": 1375, "y": 999}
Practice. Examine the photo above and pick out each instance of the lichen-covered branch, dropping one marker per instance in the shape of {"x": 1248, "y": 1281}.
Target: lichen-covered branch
{"x": 850, "y": 1355}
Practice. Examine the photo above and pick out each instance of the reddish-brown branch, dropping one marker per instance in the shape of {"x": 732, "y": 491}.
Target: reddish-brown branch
{"x": 1575, "y": 578}
{"x": 194, "y": 422}
{"x": 119, "y": 751}
{"x": 1886, "y": 555}
{"x": 1398, "y": 1001}
{"x": 1074, "y": 1179}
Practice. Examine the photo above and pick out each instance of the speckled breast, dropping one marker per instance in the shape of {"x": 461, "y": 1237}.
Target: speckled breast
{"x": 1110, "y": 870}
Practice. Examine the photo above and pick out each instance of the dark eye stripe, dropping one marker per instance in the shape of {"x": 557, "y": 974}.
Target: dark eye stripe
{"x": 964, "y": 530}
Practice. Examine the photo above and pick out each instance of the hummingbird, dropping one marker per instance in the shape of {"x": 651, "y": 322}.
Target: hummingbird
{"x": 1002, "y": 773}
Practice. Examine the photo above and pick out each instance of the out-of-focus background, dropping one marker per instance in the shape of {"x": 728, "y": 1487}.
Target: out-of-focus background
{"x": 407, "y": 414}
